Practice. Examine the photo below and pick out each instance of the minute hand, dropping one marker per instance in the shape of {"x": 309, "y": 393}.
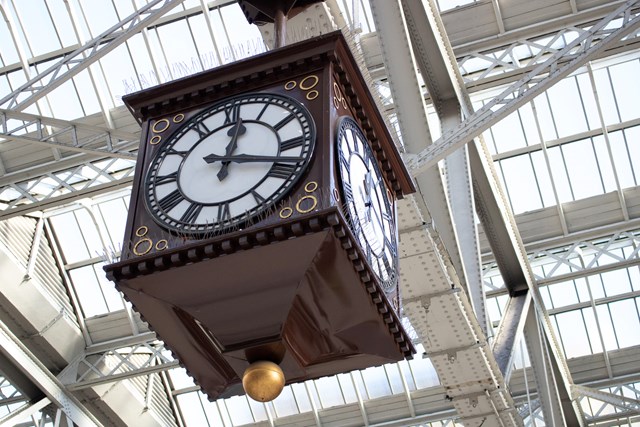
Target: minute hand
{"x": 246, "y": 158}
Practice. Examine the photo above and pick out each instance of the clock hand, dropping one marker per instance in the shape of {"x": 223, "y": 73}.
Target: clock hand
{"x": 249, "y": 158}
{"x": 366, "y": 199}
{"x": 234, "y": 132}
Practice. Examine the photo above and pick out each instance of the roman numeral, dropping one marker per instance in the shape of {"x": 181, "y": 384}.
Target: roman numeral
{"x": 257, "y": 197}
{"x": 281, "y": 170}
{"x": 348, "y": 191}
{"x": 231, "y": 112}
{"x": 284, "y": 121}
{"x": 224, "y": 213}
{"x": 291, "y": 143}
{"x": 262, "y": 111}
{"x": 344, "y": 161}
{"x": 172, "y": 177}
{"x": 176, "y": 152}
{"x": 202, "y": 129}
{"x": 170, "y": 201}
{"x": 191, "y": 214}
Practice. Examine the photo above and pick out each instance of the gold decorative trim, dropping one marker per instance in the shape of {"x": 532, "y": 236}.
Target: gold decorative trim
{"x": 307, "y": 197}
{"x": 142, "y": 231}
{"x": 308, "y": 185}
{"x": 288, "y": 213}
{"x": 166, "y": 126}
{"x": 303, "y": 86}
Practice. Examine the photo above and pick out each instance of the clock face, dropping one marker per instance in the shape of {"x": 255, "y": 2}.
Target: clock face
{"x": 229, "y": 163}
{"x": 367, "y": 202}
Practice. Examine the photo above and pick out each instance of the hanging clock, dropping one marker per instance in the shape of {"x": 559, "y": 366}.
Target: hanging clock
{"x": 368, "y": 203}
{"x": 254, "y": 235}
{"x": 229, "y": 163}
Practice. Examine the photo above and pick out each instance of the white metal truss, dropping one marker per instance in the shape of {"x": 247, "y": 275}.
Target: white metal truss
{"x": 578, "y": 259}
{"x": 616, "y": 402}
{"x": 522, "y": 55}
{"x": 66, "y": 135}
{"x": 74, "y": 62}
{"x": 542, "y": 77}
{"x": 14, "y": 350}
{"x": 10, "y": 394}
{"x": 97, "y": 160}
{"x": 104, "y": 364}
{"x": 55, "y": 188}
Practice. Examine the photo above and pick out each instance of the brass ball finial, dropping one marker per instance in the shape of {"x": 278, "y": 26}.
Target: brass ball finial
{"x": 263, "y": 381}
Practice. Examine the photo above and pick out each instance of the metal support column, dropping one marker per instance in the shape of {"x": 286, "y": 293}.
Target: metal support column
{"x": 20, "y": 356}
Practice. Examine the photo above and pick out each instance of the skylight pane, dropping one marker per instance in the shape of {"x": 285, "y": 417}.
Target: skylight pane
{"x": 521, "y": 184}
{"x": 285, "y": 403}
{"x": 574, "y": 334}
{"x": 605, "y": 95}
{"x": 545, "y": 184}
{"x": 192, "y": 408}
{"x": 99, "y": 15}
{"x": 88, "y": 290}
{"x": 451, "y": 4}
{"x": 179, "y": 49}
{"x": 8, "y": 52}
{"x": 604, "y": 163}
{"x": 545, "y": 119}
{"x": 38, "y": 28}
{"x": 616, "y": 282}
{"x": 567, "y": 108}
{"x": 592, "y": 330}
{"x": 376, "y": 382}
{"x": 508, "y": 133}
{"x": 588, "y": 101}
{"x": 239, "y": 30}
{"x": 626, "y": 322}
{"x": 608, "y": 334}
{"x": 70, "y": 237}
{"x": 583, "y": 169}
{"x": 626, "y": 85}
{"x": 239, "y": 410}
{"x": 145, "y": 75}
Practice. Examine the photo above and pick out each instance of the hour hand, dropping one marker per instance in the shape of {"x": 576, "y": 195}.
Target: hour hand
{"x": 250, "y": 158}
{"x": 234, "y": 132}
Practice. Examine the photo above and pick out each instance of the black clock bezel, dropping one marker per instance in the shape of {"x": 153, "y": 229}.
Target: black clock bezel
{"x": 347, "y": 123}
{"x": 301, "y": 113}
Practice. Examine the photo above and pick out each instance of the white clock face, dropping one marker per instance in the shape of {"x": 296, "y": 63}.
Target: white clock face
{"x": 367, "y": 202}
{"x": 229, "y": 163}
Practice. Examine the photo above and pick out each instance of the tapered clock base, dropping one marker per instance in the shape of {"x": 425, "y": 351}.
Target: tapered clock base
{"x": 303, "y": 296}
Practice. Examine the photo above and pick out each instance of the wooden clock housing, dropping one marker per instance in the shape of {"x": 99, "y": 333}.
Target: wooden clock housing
{"x": 291, "y": 286}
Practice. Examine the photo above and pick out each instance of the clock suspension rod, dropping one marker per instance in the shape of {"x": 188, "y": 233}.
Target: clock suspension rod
{"x": 280, "y": 24}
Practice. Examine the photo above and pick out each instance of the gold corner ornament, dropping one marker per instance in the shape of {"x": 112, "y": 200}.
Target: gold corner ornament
{"x": 145, "y": 244}
{"x": 161, "y": 125}
{"x": 307, "y": 84}
{"x": 309, "y": 188}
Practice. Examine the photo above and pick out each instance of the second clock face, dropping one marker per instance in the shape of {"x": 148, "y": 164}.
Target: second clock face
{"x": 367, "y": 203}
{"x": 229, "y": 163}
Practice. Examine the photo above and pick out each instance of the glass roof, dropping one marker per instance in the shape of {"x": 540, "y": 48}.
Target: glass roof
{"x": 578, "y": 140}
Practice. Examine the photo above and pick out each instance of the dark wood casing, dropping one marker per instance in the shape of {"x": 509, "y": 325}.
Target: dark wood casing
{"x": 294, "y": 289}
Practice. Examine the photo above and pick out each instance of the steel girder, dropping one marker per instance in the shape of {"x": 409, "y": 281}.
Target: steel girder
{"x": 73, "y": 63}
{"x": 542, "y": 77}
{"x": 492, "y": 207}
{"x": 448, "y": 355}
{"x": 14, "y": 350}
